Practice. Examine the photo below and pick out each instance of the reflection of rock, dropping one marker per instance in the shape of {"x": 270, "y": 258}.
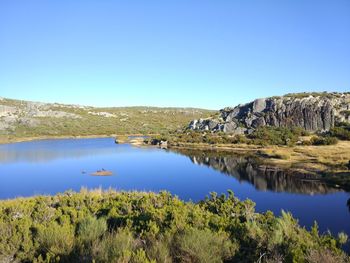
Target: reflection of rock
{"x": 264, "y": 178}
{"x": 348, "y": 204}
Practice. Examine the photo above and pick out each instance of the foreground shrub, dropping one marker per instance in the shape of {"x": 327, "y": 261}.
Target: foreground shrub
{"x": 202, "y": 246}
{"x": 57, "y": 240}
{"x": 324, "y": 256}
{"x": 159, "y": 249}
{"x": 117, "y": 247}
{"x": 90, "y": 229}
{"x": 147, "y": 227}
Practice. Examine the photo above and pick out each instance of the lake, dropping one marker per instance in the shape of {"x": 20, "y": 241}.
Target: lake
{"x": 52, "y": 166}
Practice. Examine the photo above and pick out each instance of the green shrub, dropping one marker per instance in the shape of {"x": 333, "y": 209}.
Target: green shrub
{"x": 140, "y": 257}
{"x": 90, "y": 229}
{"x": 275, "y": 136}
{"x": 56, "y": 239}
{"x": 194, "y": 245}
{"x": 152, "y": 227}
{"x": 341, "y": 132}
{"x": 117, "y": 246}
{"x": 159, "y": 249}
{"x": 317, "y": 140}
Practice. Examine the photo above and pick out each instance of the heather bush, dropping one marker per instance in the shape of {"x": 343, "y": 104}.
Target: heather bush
{"x": 139, "y": 227}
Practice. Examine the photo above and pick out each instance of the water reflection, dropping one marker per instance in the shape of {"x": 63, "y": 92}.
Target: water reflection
{"x": 50, "y": 167}
{"x": 50, "y": 150}
{"x": 247, "y": 169}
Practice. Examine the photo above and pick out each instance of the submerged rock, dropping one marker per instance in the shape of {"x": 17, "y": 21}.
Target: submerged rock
{"x": 102, "y": 173}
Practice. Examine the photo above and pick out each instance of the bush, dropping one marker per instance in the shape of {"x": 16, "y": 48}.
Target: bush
{"x": 90, "y": 229}
{"x": 324, "y": 256}
{"x": 316, "y": 140}
{"x": 116, "y": 247}
{"x": 159, "y": 250}
{"x": 261, "y": 136}
{"x": 57, "y": 240}
{"x": 341, "y": 132}
{"x": 275, "y": 136}
{"x": 201, "y": 246}
{"x": 152, "y": 228}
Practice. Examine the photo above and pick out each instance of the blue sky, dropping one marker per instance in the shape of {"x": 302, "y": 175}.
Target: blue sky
{"x": 207, "y": 54}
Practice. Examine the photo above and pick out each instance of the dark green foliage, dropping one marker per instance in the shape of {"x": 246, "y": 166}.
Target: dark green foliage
{"x": 261, "y": 136}
{"x": 149, "y": 227}
{"x": 338, "y": 178}
{"x": 341, "y": 131}
{"x": 275, "y": 136}
{"x": 318, "y": 140}
{"x": 200, "y": 137}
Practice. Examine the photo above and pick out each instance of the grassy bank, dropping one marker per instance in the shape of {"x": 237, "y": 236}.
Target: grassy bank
{"x": 326, "y": 153}
{"x": 147, "y": 227}
{"x": 308, "y": 158}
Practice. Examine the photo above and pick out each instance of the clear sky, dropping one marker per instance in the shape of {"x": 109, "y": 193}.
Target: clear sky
{"x": 207, "y": 54}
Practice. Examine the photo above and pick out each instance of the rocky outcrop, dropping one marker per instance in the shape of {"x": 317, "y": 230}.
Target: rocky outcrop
{"x": 313, "y": 112}
{"x": 26, "y": 113}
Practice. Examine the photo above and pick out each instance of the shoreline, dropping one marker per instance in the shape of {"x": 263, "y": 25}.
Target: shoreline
{"x": 40, "y": 138}
{"x": 333, "y": 156}
{"x": 328, "y": 164}
{"x": 313, "y": 159}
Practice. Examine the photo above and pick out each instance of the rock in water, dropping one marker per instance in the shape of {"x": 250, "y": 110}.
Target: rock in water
{"x": 311, "y": 111}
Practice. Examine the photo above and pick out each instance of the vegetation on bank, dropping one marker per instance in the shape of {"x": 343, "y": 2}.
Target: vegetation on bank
{"x": 324, "y": 155}
{"x": 263, "y": 136}
{"x": 147, "y": 227}
{"x": 30, "y": 119}
{"x": 341, "y": 131}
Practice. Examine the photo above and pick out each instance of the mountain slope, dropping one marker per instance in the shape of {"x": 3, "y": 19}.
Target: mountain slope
{"x": 30, "y": 119}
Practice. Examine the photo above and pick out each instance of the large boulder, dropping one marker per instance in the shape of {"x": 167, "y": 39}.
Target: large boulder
{"x": 311, "y": 111}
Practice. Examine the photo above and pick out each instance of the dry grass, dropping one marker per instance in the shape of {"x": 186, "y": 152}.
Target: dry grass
{"x": 314, "y": 157}
{"x": 307, "y": 158}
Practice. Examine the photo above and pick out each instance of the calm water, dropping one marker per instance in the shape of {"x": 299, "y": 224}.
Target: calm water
{"x": 52, "y": 166}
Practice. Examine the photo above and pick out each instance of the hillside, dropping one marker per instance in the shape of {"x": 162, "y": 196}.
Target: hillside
{"x": 21, "y": 119}
{"x": 310, "y": 111}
